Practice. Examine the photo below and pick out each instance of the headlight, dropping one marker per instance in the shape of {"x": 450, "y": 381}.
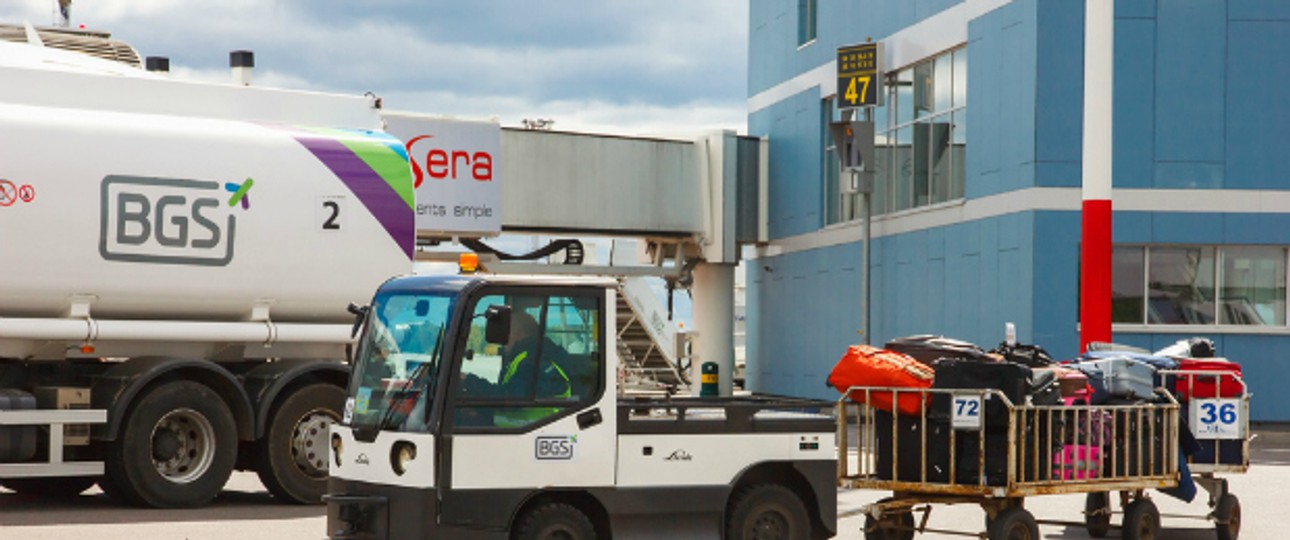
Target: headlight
{"x": 400, "y": 454}
{"x": 336, "y": 447}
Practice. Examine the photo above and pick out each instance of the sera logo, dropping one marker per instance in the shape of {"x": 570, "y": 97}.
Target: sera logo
{"x": 169, "y": 221}
{"x": 557, "y": 448}
{"x": 443, "y": 164}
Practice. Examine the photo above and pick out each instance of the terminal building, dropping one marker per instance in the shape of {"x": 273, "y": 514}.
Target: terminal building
{"x": 977, "y": 174}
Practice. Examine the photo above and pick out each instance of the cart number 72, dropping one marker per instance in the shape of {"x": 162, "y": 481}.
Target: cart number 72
{"x": 967, "y": 412}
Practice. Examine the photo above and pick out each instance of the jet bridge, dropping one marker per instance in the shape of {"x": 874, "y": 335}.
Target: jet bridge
{"x": 693, "y": 200}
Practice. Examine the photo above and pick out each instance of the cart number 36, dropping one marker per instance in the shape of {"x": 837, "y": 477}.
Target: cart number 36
{"x": 1216, "y": 418}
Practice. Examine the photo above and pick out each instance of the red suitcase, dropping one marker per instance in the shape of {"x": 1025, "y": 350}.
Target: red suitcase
{"x": 863, "y": 365}
{"x": 1225, "y": 381}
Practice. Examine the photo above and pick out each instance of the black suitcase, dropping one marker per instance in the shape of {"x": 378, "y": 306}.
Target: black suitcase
{"x": 1138, "y": 450}
{"x": 908, "y": 448}
{"x": 928, "y": 348}
{"x": 1012, "y": 379}
{"x": 1029, "y": 449}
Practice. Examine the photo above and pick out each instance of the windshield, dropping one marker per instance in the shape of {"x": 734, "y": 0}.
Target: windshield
{"x": 397, "y": 361}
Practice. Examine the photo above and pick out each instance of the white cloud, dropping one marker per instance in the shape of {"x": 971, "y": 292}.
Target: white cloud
{"x": 603, "y": 65}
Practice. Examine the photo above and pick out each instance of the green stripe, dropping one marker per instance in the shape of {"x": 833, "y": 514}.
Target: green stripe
{"x": 241, "y": 192}
{"x": 391, "y": 166}
{"x": 515, "y": 365}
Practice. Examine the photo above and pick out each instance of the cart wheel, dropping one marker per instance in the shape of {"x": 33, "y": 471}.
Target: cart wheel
{"x": 1227, "y": 515}
{"x": 1141, "y": 520}
{"x": 1014, "y": 523}
{"x": 1097, "y": 513}
{"x": 892, "y": 526}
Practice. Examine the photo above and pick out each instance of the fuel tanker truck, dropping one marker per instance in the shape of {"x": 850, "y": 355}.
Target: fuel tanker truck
{"x": 176, "y": 262}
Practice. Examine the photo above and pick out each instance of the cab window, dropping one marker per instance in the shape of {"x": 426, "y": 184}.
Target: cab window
{"x": 550, "y": 365}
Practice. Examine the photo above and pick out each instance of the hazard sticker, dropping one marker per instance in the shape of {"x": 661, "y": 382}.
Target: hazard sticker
{"x": 11, "y": 193}
{"x": 8, "y": 193}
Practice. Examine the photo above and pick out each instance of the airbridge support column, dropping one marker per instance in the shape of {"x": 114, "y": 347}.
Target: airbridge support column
{"x": 714, "y": 313}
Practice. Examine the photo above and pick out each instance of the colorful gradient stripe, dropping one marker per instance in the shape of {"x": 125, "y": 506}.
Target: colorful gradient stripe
{"x": 375, "y": 168}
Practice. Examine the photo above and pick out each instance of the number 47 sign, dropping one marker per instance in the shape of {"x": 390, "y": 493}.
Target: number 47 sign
{"x": 859, "y": 75}
{"x": 1217, "y": 419}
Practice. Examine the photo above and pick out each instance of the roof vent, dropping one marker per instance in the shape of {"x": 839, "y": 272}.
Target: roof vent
{"x": 157, "y": 64}
{"x": 241, "y": 62}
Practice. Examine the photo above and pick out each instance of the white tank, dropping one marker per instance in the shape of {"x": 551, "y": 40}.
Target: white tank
{"x": 163, "y": 217}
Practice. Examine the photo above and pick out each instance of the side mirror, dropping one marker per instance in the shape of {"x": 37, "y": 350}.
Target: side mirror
{"x": 360, "y": 314}
{"x": 497, "y": 329}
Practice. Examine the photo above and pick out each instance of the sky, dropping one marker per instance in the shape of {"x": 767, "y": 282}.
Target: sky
{"x": 609, "y": 66}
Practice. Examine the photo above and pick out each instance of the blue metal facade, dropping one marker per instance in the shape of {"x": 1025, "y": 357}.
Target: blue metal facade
{"x": 1198, "y": 105}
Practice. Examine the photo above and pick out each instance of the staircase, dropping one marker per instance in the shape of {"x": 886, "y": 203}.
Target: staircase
{"x": 646, "y": 339}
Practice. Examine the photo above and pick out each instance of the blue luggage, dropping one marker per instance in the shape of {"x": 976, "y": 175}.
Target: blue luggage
{"x": 1119, "y": 377}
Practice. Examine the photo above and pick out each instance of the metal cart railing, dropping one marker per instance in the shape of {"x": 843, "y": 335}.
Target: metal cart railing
{"x": 976, "y": 446}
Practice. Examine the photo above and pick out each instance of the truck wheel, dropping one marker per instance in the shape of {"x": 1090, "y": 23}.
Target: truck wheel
{"x": 176, "y": 448}
{"x": 1141, "y": 520}
{"x": 767, "y": 512}
{"x": 1015, "y": 523}
{"x": 1097, "y": 513}
{"x": 61, "y": 487}
{"x": 555, "y": 521}
{"x": 1227, "y": 515}
{"x": 291, "y": 458}
{"x": 896, "y": 526}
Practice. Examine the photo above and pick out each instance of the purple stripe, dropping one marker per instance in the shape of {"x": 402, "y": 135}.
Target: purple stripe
{"x": 379, "y": 198}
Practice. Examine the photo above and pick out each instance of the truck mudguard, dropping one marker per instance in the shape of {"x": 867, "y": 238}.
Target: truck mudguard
{"x": 120, "y": 385}
{"x": 266, "y": 382}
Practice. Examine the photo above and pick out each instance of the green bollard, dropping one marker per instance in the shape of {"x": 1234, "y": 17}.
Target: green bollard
{"x": 708, "y": 380}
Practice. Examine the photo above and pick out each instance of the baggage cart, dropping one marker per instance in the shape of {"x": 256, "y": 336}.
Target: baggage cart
{"x": 1215, "y": 406}
{"x": 962, "y": 457}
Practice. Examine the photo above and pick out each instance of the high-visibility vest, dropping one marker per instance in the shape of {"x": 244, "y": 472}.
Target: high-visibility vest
{"x": 515, "y": 366}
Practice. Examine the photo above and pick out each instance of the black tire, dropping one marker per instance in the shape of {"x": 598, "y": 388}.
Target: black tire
{"x": 1141, "y": 521}
{"x": 555, "y": 521}
{"x": 61, "y": 487}
{"x": 1097, "y": 513}
{"x": 767, "y": 512}
{"x": 1227, "y": 514}
{"x": 291, "y": 458}
{"x": 883, "y": 530}
{"x": 176, "y": 448}
{"x": 1013, "y": 523}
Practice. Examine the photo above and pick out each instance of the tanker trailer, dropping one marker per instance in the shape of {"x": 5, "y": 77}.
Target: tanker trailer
{"x": 176, "y": 262}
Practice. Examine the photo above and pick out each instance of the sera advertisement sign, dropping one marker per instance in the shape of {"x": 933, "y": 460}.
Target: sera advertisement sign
{"x": 456, "y": 172}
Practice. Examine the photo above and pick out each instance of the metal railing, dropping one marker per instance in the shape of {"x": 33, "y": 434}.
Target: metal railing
{"x": 977, "y": 442}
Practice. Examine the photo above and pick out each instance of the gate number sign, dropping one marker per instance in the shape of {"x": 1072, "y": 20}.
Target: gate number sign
{"x": 859, "y": 79}
{"x": 1216, "y": 418}
{"x": 966, "y": 413}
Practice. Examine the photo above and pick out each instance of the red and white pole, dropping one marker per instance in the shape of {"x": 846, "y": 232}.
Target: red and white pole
{"x": 1095, "y": 246}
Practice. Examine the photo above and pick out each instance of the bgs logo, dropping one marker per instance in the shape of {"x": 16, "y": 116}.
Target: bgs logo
{"x": 559, "y": 448}
{"x": 167, "y": 221}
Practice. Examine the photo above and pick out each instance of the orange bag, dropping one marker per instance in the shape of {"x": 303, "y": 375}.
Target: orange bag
{"x": 863, "y": 365}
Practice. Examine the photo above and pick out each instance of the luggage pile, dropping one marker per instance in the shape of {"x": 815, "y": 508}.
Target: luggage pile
{"x": 914, "y": 429}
